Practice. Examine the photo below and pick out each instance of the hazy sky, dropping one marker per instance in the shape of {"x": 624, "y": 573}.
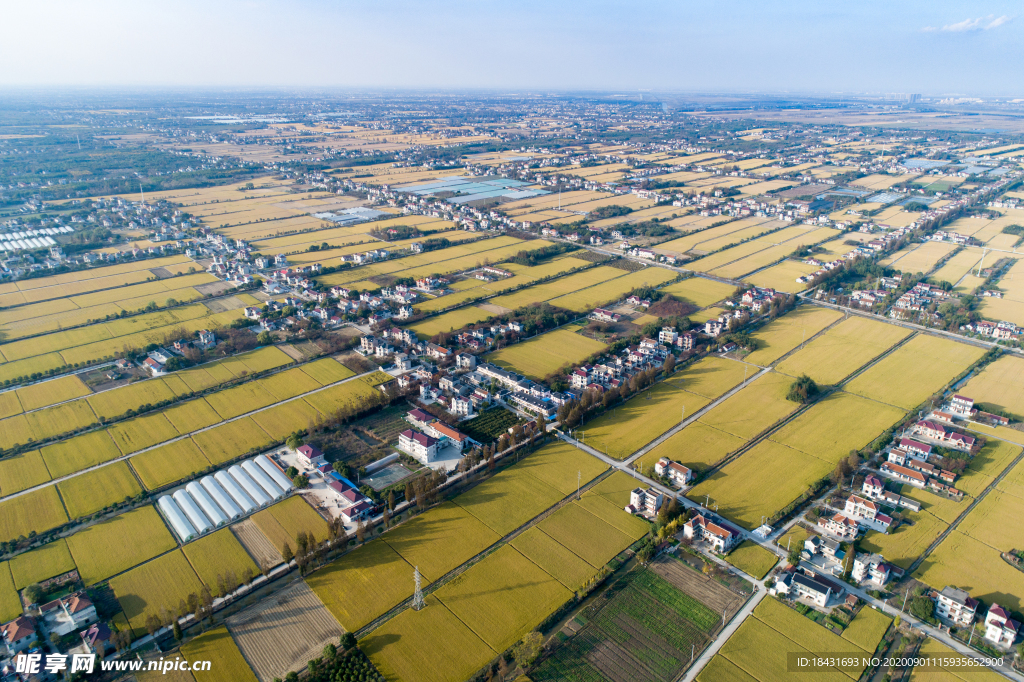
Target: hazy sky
{"x": 935, "y": 47}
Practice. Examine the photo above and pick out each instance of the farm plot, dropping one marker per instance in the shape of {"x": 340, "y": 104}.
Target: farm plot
{"x": 256, "y": 543}
{"x": 169, "y": 463}
{"x": 699, "y": 291}
{"x": 45, "y": 423}
{"x": 954, "y": 269}
{"x": 288, "y": 384}
{"x": 154, "y": 587}
{"x": 562, "y": 286}
{"x": 220, "y": 561}
{"x": 760, "y": 482}
{"x": 10, "y": 602}
{"x": 441, "y": 539}
{"x": 762, "y": 653}
{"x": 217, "y": 645}
{"x": 753, "y": 408}
{"x": 994, "y": 457}
{"x": 637, "y": 630}
{"x": 643, "y": 418}
{"x": 782, "y": 276}
{"x": 843, "y": 349}
{"x": 80, "y": 452}
{"x": 585, "y": 535}
{"x": 363, "y": 584}
{"x": 348, "y": 397}
{"x": 976, "y": 567}
{"x": 562, "y": 466}
{"x": 1000, "y": 386}
{"x": 98, "y": 489}
{"x": 954, "y": 671}
{"x": 47, "y": 393}
{"x": 280, "y": 635}
{"x": 608, "y": 498}
{"x": 430, "y": 645}
{"x": 546, "y": 354}
{"x": 100, "y": 550}
{"x": 21, "y": 472}
{"x": 752, "y": 559}
{"x": 282, "y": 420}
{"x": 142, "y": 432}
{"x": 37, "y": 511}
{"x": 37, "y": 565}
{"x": 236, "y": 401}
{"x": 503, "y": 597}
{"x": 802, "y": 630}
{"x": 508, "y": 500}
{"x": 698, "y": 447}
{"x": 593, "y": 297}
{"x": 456, "y": 319}
{"x": 906, "y": 543}
{"x": 231, "y": 439}
{"x": 556, "y": 560}
{"x": 327, "y": 371}
{"x": 191, "y": 415}
{"x": 773, "y": 253}
{"x": 920, "y": 259}
{"x": 834, "y": 426}
{"x": 924, "y": 365}
{"x": 283, "y": 522}
{"x": 867, "y": 628}
{"x": 784, "y": 334}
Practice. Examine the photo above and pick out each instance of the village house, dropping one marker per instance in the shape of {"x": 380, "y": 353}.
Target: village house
{"x": 674, "y": 471}
{"x": 418, "y": 445}
{"x": 870, "y": 568}
{"x": 646, "y": 502}
{"x": 868, "y": 513}
{"x": 719, "y": 536}
{"x": 1000, "y": 629}
{"x": 310, "y": 455}
{"x": 955, "y": 606}
{"x": 19, "y": 633}
{"x": 67, "y": 614}
{"x": 838, "y": 525}
{"x": 903, "y": 474}
{"x": 815, "y": 591}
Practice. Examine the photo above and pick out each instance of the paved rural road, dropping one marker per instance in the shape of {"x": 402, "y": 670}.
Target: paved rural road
{"x": 187, "y": 435}
{"x": 725, "y": 634}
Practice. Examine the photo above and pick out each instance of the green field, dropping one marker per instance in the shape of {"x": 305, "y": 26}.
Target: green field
{"x": 101, "y": 551}
{"x": 52, "y": 559}
{"x": 283, "y": 522}
{"x": 504, "y": 596}
{"x": 363, "y": 584}
{"x": 546, "y": 354}
{"x": 98, "y": 489}
{"x": 752, "y": 559}
{"x": 153, "y": 587}
{"x": 37, "y": 511}
{"x": 217, "y": 645}
{"x": 924, "y": 365}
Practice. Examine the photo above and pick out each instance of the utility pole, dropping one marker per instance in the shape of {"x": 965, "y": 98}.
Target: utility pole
{"x": 417, "y": 596}
{"x": 579, "y": 477}
{"x": 905, "y": 600}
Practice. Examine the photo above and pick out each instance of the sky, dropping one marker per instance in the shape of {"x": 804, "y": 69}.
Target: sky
{"x": 797, "y": 46}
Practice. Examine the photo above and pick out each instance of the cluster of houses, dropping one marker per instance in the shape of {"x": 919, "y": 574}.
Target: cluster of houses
{"x": 60, "y": 617}
{"x": 994, "y": 330}
{"x": 916, "y": 300}
{"x": 613, "y": 371}
{"x": 825, "y": 267}
{"x": 353, "y": 506}
{"x": 956, "y": 607}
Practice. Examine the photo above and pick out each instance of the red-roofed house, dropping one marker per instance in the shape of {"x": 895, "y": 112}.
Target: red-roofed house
{"x": 903, "y": 474}
{"x": 419, "y": 418}
{"x": 867, "y": 512}
{"x": 67, "y": 614}
{"x": 676, "y": 472}
{"x": 961, "y": 405}
{"x": 419, "y": 445}
{"x": 19, "y": 633}
{"x": 443, "y": 432}
{"x": 718, "y": 536}
{"x": 310, "y": 455}
{"x": 1000, "y": 629}
{"x": 839, "y": 526}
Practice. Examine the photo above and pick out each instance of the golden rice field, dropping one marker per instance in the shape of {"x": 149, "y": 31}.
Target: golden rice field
{"x": 587, "y": 299}
{"x": 100, "y": 550}
{"x": 952, "y": 672}
{"x": 782, "y": 276}
{"x": 558, "y": 464}
{"x": 924, "y": 365}
{"x": 903, "y": 546}
{"x": 557, "y": 561}
{"x": 921, "y": 258}
{"x": 219, "y": 554}
{"x": 986, "y": 465}
{"x": 68, "y": 456}
{"x": 363, "y": 584}
{"x": 546, "y": 354}
{"x": 832, "y": 427}
{"x": 752, "y": 559}
{"x": 785, "y": 333}
{"x": 52, "y": 559}
{"x": 451, "y": 321}
{"x": 1000, "y": 385}
{"x": 231, "y": 439}
{"x": 98, "y": 489}
{"x": 972, "y": 565}
{"x": 760, "y": 482}
{"x": 699, "y": 291}
{"x": 441, "y": 539}
{"x": 753, "y": 408}
{"x": 504, "y": 596}
{"x": 23, "y": 471}
{"x": 169, "y": 463}
{"x": 154, "y": 586}
{"x": 843, "y": 349}
{"x": 954, "y": 269}
{"x": 217, "y": 645}
{"x": 698, "y": 446}
{"x": 10, "y": 602}
{"x": 585, "y": 534}
{"x": 283, "y": 522}
{"x": 509, "y": 499}
{"x": 559, "y": 287}
{"x": 39, "y": 511}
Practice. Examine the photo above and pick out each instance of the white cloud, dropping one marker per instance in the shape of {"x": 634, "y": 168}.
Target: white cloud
{"x": 978, "y": 24}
